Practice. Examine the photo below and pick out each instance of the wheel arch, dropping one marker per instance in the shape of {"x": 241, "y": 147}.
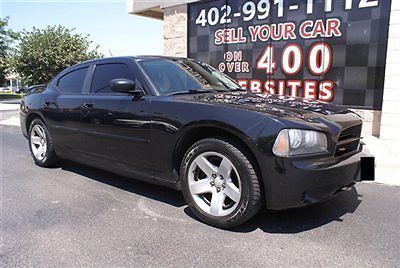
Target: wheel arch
{"x": 195, "y": 133}
{"x": 30, "y": 117}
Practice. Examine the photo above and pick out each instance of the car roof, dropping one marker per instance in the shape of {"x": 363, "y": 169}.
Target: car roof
{"x": 145, "y": 57}
{"x": 112, "y": 59}
{"x": 39, "y": 85}
{"x": 140, "y": 57}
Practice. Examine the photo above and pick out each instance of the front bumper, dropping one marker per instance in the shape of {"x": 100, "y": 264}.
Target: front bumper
{"x": 22, "y": 120}
{"x": 296, "y": 183}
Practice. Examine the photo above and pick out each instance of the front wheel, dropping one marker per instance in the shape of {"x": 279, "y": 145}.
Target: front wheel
{"x": 219, "y": 183}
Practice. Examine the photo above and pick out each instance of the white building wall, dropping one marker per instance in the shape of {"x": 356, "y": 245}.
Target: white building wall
{"x": 175, "y": 31}
{"x": 390, "y": 124}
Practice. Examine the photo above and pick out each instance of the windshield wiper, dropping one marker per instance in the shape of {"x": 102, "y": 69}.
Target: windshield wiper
{"x": 190, "y": 91}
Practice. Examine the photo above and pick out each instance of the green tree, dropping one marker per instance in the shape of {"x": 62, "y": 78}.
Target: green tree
{"x": 7, "y": 36}
{"x": 43, "y": 53}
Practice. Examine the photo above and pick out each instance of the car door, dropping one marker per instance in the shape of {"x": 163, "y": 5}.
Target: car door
{"x": 115, "y": 126}
{"x": 62, "y": 108}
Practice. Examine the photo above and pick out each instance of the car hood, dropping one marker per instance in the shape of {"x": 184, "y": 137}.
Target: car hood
{"x": 276, "y": 105}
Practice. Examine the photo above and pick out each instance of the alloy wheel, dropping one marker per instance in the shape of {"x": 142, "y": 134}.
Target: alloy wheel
{"x": 38, "y": 142}
{"x": 214, "y": 184}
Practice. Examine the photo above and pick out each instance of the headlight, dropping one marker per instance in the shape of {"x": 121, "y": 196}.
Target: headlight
{"x": 292, "y": 142}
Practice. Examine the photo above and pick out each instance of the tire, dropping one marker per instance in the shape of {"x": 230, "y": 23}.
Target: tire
{"x": 41, "y": 144}
{"x": 216, "y": 196}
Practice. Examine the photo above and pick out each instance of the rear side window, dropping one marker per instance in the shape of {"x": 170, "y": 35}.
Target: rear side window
{"x": 72, "y": 83}
{"x": 104, "y": 73}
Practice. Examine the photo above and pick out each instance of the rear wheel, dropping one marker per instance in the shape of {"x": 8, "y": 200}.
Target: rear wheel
{"x": 219, "y": 183}
{"x": 41, "y": 144}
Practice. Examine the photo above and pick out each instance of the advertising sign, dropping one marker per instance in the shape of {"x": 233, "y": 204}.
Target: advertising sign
{"x": 328, "y": 50}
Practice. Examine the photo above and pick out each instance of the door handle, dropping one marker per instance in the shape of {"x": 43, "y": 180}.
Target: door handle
{"x": 87, "y": 105}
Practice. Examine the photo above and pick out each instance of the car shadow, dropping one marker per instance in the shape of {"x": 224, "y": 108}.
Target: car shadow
{"x": 285, "y": 221}
{"x": 159, "y": 193}
{"x": 298, "y": 220}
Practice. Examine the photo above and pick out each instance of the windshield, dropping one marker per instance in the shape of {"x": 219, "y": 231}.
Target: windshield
{"x": 185, "y": 75}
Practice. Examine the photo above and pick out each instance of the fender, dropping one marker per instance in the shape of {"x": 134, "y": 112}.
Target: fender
{"x": 192, "y": 129}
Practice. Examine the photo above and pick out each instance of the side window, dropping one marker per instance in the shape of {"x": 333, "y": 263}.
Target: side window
{"x": 104, "y": 73}
{"x": 72, "y": 83}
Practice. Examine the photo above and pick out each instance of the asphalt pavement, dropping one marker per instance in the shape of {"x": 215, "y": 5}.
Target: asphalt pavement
{"x": 75, "y": 215}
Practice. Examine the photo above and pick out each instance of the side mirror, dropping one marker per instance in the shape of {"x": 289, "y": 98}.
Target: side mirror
{"x": 124, "y": 86}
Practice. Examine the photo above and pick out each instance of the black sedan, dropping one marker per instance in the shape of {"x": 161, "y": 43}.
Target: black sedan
{"x": 181, "y": 123}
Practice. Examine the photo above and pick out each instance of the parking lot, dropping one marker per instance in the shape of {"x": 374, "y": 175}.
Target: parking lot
{"x": 76, "y": 215}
